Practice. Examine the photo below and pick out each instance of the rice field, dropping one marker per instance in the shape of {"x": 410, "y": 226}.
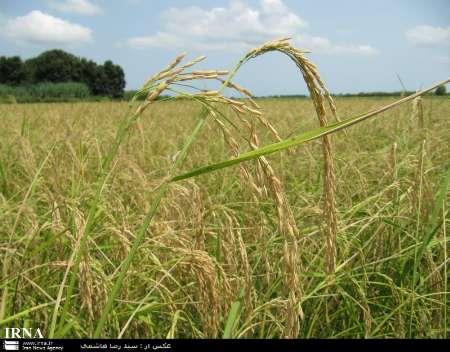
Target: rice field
{"x": 343, "y": 236}
{"x": 210, "y": 239}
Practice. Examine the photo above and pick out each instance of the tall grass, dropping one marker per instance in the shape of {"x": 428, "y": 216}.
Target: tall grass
{"x": 44, "y": 92}
{"x": 223, "y": 256}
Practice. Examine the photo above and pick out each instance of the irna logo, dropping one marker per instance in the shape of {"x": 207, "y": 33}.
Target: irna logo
{"x": 23, "y": 333}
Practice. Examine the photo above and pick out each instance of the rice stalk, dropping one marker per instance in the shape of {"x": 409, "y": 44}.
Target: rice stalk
{"x": 209, "y": 288}
{"x": 392, "y": 162}
{"x": 417, "y": 105}
{"x": 320, "y": 96}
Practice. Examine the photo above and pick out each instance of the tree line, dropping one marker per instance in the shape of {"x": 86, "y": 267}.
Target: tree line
{"x": 58, "y": 66}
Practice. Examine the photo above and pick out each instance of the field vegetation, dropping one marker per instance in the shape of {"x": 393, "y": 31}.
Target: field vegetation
{"x": 112, "y": 227}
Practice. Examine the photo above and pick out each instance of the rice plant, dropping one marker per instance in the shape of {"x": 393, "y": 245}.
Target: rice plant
{"x": 125, "y": 234}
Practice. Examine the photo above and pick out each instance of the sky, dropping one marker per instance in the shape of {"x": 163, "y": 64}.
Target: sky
{"x": 357, "y": 45}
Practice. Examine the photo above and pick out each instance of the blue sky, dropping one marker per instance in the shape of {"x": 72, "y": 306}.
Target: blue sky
{"x": 357, "y": 45}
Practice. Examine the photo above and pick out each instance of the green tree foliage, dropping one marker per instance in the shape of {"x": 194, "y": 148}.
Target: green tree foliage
{"x": 58, "y": 66}
{"x": 441, "y": 90}
{"x": 12, "y": 71}
{"x": 54, "y": 66}
{"x": 115, "y": 79}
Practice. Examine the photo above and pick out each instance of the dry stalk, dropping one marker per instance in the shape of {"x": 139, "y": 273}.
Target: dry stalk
{"x": 233, "y": 243}
{"x": 417, "y": 191}
{"x": 288, "y": 227}
{"x": 210, "y": 288}
{"x": 91, "y": 285}
{"x": 417, "y": 105}
{"x": 199, "y": 226}
{"x": 320, "y": 96}
{"x": 422, "y": 192}
{"x": 392, "y": 162}
{"x": 266, "y": 184}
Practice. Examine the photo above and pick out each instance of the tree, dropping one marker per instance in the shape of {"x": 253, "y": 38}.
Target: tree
{"x": 100, "y": 84}
{"x": 115, "y": 79}
{"x": 441, "y": 90}
{"x": 89, "y": 76}
{"x": 107, "y": 79}
{"x": 54, "y": 66}
{"x": 12, "y": 71}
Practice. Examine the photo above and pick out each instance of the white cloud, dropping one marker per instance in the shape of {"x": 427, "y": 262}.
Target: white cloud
{"x": 237, "y": 21}
{"x": 236, "y": 26}
{"x": 223, "y": 27}
{"x": 41, "y": 28}
{"x": 323, "y": 45}
{"x": 81, "y": 7}
{"x": 429, "y": 36}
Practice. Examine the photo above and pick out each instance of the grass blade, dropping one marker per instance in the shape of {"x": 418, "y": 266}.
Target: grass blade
{"x": 233, "y": 318}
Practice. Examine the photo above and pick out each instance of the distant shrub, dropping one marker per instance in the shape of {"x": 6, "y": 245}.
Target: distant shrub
{"x": 7, "y": 99}
{"x": 441, "y": 90}
{"x": 12, "y": 70}
{"x": 129, "y": 94}
{"x": 45, "y": 92}
{"x": 375, "y": 94}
